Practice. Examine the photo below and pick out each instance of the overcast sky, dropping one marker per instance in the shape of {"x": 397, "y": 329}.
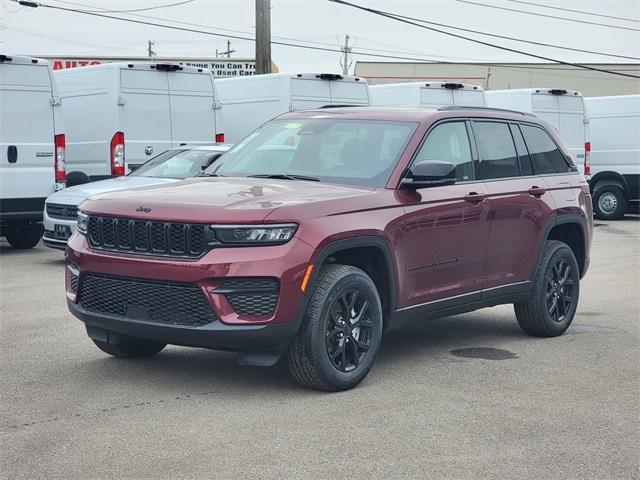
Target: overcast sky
{"x": 44, "y": 31}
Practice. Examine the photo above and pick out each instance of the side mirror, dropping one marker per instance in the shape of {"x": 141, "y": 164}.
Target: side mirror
{"x": 430, "y": 173}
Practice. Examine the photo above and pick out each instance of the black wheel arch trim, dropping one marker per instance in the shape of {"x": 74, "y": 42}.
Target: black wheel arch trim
{"x": 609, "y": 178}
{"x": 564, "y": 220}
{"x": 345, "y": 244}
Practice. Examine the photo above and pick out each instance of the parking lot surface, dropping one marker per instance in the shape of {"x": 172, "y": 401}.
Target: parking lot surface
{"x": 468, "y": 396}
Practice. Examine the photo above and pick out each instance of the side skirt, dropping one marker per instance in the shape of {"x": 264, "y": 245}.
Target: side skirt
{"x": 515, "y": 292}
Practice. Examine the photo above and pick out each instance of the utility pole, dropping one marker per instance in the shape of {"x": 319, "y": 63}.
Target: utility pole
{"x": 346, "y": 62}
{"x": 228, "y": 52}
{"x": 263, "y": 37}
{"x": 151, "y": 52}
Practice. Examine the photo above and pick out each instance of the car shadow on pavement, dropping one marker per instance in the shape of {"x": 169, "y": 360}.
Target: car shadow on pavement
{"x": 195, "y": 371}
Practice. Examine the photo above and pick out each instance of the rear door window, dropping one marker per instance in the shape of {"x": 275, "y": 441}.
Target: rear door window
{"x": 545, "y": 155}
{"x": 498, "y": 157}
{"x": 449, "y": 142}
{"x": 523, "y": 154}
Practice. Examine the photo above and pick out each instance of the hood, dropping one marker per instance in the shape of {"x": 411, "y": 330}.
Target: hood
{"x": 225, "y": 200}
{"x": 78, "y": 193}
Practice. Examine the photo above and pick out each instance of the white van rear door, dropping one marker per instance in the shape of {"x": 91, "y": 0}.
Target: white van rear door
{"x": 192, "y": 113}
{"x": 144, "y": 116}
{"x": 309, "y": 93}
{"x": 572, "y": 126}
{"x": 348, "y": 92}
{"x": 436, "y": 97}
{"x": 468, "y": 98}
{"x": 545, "y": 106}
{"x": 26, "y": 129}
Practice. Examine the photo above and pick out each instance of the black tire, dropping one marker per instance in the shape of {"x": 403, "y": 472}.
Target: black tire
{"x": 609, "y": 203}
{"x": 25, "y": 236}
{"x": 132, "y": 349}
{"x": 77, "y": 178}
{"x": 324, "y": 329}
{"x": 538, "y": 316}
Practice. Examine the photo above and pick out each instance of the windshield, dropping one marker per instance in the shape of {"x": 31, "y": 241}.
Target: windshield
{"x": 176, "y": 164}
{"x": 352, "y": 152}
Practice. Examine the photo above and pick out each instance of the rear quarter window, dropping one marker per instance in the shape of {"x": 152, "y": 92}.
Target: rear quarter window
{"x": 545, "y": 155}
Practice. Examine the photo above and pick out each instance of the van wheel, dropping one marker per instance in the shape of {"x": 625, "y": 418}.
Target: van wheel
{"x": 341, "y": 331}
{"x": 132, "y": 349}
{"x": 23, "y": 237}
{"x": 609, "y": 203}
{"x": 77, "y": 178}
{"x": 554, "y": 295}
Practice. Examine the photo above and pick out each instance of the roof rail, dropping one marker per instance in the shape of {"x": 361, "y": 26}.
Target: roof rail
{"x": 490, "y": 109}
{"x": 341, "y": 106}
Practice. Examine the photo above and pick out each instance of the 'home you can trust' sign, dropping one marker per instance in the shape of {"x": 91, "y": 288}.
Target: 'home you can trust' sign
{"x": 230, "y": 68}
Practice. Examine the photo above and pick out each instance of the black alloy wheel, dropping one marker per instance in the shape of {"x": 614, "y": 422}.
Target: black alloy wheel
{"x": 349, "y": 330}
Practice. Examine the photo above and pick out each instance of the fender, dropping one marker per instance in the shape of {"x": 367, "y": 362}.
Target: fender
{"x": 604, "y": 179}
{"x": 562, "y": 220}
{"x": 354, "y": 242}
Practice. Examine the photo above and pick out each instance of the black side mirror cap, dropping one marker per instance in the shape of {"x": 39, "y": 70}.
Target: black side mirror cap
{"x": 430, "y": 173}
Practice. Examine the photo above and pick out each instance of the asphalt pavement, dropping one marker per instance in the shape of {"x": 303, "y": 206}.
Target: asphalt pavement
{"x": 469, "y": 396}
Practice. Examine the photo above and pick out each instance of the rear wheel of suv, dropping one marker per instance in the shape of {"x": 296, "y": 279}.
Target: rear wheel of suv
{"x": 609, "y": 203}
{"x": 25, "y": 236}
{"x": 554, "y": 296}
{"x": 341, "y": 331}
{"x": 132, "y": 349}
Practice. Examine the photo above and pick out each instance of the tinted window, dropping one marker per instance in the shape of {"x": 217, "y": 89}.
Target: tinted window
{"x": 545, "y": 155}
{"x": 498, "y": 157}
{"x": 449, "y": 142}
{"x": 521, "y": 148}
{"x": 353, "y": 152}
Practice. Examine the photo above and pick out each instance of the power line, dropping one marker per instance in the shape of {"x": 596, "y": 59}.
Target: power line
{"x": 504, "y": 37}
{"x": 335, "y": 50}
{"x": 548, "y": 16}
{"x": 582, "y": 12}
{"x": 434, "y": 57}
{"x": 142, "y": 9}
{"x": 481, "y": 42}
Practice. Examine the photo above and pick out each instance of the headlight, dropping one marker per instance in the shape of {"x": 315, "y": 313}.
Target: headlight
{"x": 83, "y": 221}
{"x": 255, "y": 234}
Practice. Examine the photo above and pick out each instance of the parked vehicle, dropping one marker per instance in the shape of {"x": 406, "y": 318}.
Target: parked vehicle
{"x": 615, "y": 154}
{"x": 119, "y": 115}
{"x": 431, "y": 94}
{"x": 325, "y": 227}
{"x": 248, "y": 102}
{"x": 564, "y": 109}
{"x": 33, "y": 147}
{"x": 61, "y": 208}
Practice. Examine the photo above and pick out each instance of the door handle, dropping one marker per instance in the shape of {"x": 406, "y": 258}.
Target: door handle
{"x": 537, "y": 191}
{"x": 12, "y": 154}
{"x": 474, "y": 197}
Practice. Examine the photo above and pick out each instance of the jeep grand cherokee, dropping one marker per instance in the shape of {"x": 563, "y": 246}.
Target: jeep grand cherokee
{"x": 323, "y": 229}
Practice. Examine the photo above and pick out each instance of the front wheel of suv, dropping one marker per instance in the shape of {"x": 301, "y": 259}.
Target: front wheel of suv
{"x": 554, "y": 295}
{"x": 132, "y": 349}
{"x": 341, "y": 331}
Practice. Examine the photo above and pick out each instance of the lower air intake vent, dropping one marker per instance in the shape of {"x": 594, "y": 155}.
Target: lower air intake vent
{"x": 145, "y": 300}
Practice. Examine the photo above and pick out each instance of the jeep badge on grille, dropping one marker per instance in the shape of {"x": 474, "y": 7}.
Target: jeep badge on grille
{"x": 143, "y": 209}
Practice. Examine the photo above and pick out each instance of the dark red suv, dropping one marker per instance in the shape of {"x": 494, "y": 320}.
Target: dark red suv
{"x": 324, "y": 228}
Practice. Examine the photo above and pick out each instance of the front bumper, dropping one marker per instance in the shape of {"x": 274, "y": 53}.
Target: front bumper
{"x": 57, "y": 231}
{"x": 231, "y": 331}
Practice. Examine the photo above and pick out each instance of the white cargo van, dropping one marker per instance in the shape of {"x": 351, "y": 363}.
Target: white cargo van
{"x": 564, "y": 109}
{"x": 248, "y": 102}
{"x": 431, "y": 94}
{"x": 31, "y": 147}
{"x": 615, "y": 154}
{"x": 122, "y": 114}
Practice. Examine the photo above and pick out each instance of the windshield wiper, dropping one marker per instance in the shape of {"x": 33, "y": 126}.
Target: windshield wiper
{"x": 284, "y": 176}
{"x": 209, "y": 175}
